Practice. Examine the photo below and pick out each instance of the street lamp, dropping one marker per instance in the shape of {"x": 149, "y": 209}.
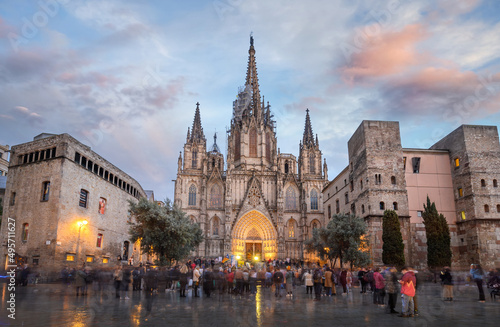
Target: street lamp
{"x": 256, "y": 258}
{"x": 238, "y": 257}
{"x": 82, "y": 223}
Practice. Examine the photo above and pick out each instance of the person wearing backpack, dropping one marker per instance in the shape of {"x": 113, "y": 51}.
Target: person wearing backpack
{"x": 278, "y": 281}
{"x": 317, "y": 278}
{"x": 368, "y": 277}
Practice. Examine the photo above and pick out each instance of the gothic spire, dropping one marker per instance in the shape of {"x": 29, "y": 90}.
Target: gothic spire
{"x": 215, "y": 147}
{"x": 308, "y": 138}
{"x": 252, "y": 80}
{"x": 197, "y": 130}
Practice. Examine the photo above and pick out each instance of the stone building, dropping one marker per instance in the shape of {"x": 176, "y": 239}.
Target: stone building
{"x": 4, "y": 167}
{"x": 69, "y": 205}
{"x": 460, "y": 174}
{"x": 260, "y": 202}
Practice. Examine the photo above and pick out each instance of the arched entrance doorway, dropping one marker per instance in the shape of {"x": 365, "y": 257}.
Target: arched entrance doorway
{"x": 254, "y": 236}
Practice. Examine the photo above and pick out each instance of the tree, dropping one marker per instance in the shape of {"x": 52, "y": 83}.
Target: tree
{"x": 438, "y": 237}
{"x": 393, "y": 248}
{"x": 164, "y": 231}
{"x": 343, "y": 239}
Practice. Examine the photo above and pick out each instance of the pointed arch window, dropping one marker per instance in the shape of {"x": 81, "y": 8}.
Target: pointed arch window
{"x": 194, "y": 159}
{"x": 314, "y": 200}
{"x": 291, "y": 228}
{"x": 216, "y": 196}
{"x": 290, "y": 199}
{"x": 215, "y": 226}
{"x": 25, "y": 232}
{"x": 237, "y": 145}
{"x": 312, "y": 169}
{"x": 192, "y": 195}
{"x": 253, "y": 143}
{"x": 268, "y": 146}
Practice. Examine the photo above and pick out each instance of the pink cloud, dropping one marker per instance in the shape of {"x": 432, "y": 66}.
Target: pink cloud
{"x": 385, "y": 54}
{"x": 5, "y": 29}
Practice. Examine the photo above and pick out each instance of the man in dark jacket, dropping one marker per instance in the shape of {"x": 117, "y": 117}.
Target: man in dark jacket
{"x": 278, "y": 281}
{"x": 447, "y": 282}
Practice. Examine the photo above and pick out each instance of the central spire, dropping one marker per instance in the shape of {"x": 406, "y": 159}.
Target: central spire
{"x": 308, "y": 138}
{"x": 252, "y": 81}
{"x": 197, "y": 129}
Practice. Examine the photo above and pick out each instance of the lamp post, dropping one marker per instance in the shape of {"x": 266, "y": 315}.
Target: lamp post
{"x": 80, "y": 225}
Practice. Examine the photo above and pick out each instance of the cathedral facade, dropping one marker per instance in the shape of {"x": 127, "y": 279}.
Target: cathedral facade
{"x": 256, "y": 203}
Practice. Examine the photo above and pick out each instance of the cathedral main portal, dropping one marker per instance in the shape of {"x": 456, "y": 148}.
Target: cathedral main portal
{"x": 254, "y": 236}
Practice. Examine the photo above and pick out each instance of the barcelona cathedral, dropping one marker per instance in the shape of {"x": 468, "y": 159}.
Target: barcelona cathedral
{"x": 260, "y": 203}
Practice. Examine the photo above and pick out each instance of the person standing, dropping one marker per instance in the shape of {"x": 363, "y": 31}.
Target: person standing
{"x": 289, "y": 281}
{"x": 392, "y": 287}
{"x": 80, "y": 282}
{"x": 183, "y": 280}
{"x": 408, "y": 282}
{"x": 317, "y": 278}
{"x": 308, "y": 280}
{"x": 196, "y": 280}
{"x": 477, "y": 276}
{"x": 117, "y": 279}
{"x": 361, "y": 274}
{"x": 447, "y": 281}
{"x": 126, "y": 274}
{"x": 379, "y": 294}
{"x": 137, "y": 278}
{"x": 278, "y": 281}
{"x": 328, "y": 281}
{"x": 208, "y": 281}
{"x": 343, "y": 280}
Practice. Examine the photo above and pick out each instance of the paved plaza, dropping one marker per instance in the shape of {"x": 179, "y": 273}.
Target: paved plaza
{"x": 55, "y": 305}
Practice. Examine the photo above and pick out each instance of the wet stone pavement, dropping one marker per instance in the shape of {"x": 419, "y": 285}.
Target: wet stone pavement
{"x": 57, "y": 305}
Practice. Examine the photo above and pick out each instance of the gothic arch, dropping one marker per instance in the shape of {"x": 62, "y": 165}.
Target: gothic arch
{"x": 291, "y": 228}
{"x": 215, "y": 196}
{"x": 291, "y": 197}
{"x": 252, "y": 226}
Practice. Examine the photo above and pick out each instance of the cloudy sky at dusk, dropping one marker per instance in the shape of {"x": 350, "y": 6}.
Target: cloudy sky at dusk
{"x": 124, "y": 76}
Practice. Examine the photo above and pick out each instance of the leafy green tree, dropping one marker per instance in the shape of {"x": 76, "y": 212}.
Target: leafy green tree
{"x": 438, "y": 237}
{"x": 393, "y": 250}
{"x": 164, "y": 231}
{"x": 343, "y": 239}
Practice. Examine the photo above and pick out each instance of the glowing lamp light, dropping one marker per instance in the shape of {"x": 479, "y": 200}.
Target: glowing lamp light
{"x": 238, "y": 257}
{"x": 256, "y": 258}
{"x": 82, "y": 223}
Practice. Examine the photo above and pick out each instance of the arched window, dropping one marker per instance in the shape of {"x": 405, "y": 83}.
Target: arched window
{"x": 314, "y": 200}
{"x": 25, "y": 232}
{"x": 395, "y": 206}
{"x": 291, "y": 228}
{"x": 126, "y": 246}
{"x": 237, "y": 145}
{"x": 362, "y": 208}
{"x": 253, "y": 143}
{"x": 495, "y": 183}
{"x": 290, "y": 199}
{"x": 486, "y": 208}
{"x": 498, "y": 207}
{"x": 194, "y": 159}
{"x": 216, "y": 196}
{"x": 314, "y": 225}
{"x": 312, "y": 169}
{"x": 286, "y": 167}
{"x": 483, "y": 183}
{"x": 393, "y": 180}
{"x": 268, "y": 146}
{"x": 192, "y": 195}
{"x": 215, "y": 226}
{"x": 382, "y": 206}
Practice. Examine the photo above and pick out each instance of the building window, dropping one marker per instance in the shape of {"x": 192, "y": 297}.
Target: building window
{"x": 337, "y": 206}
{"x": 105, "y": 260}
{"x": 268, "y": 146}
{"x": 90, "y": 259}
{"x": 194, "y": 159}
{"x": 353, "y": 208}
{"x": 361, "y": 183}
{"x": 215, "y": 196}
{"x": 314, "y": 200}
{"x": 419, "y": 213}
{"x": 329, "y": 211}
{"x": 362, "y": 208}
{"x": 498, "y": 207}
{"x": 99, "y": 241}
{"x": 416, "y": 164}
{"x": 13, "y": 198}
{"x": 395, "y": 206}
{"x": 192, "y": 195}
{"x": 253, "y": 143}
{"x": 290, "y": 199}
{"x": 102, "y": 206}
{"x": 83, "y": 198}
{"x": 25, "y": 232}
{"x": 352, "y": 185}
{"x": 462, "y": 215}
{"x": 378, "y": 179}
{"x": 382, "y": 205}
{"x": 315, "y": 225}
{"x": 215, "y": 226}
{"x": 286, "y": 167}
{"x": 483, "y": 183}
{"x": 457, "y": 162}
{"x": 237, "y": 145}
{"x": 70, "y": 257}
{"x": 393, "y": 180}
{"x": 460, "y": 192}
{"x": 346, "y": 197}
{"x": 495, "y": 183}
{"x": 486, "y": 208}
{"x": 312, "y": 169}
{"x": 291, "y": 228}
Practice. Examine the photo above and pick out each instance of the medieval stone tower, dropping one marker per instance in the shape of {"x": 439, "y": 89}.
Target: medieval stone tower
{"x": 262, "y": 203}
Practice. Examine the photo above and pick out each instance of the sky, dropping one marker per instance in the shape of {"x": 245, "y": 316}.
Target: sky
{"x": 124, "y": 76}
